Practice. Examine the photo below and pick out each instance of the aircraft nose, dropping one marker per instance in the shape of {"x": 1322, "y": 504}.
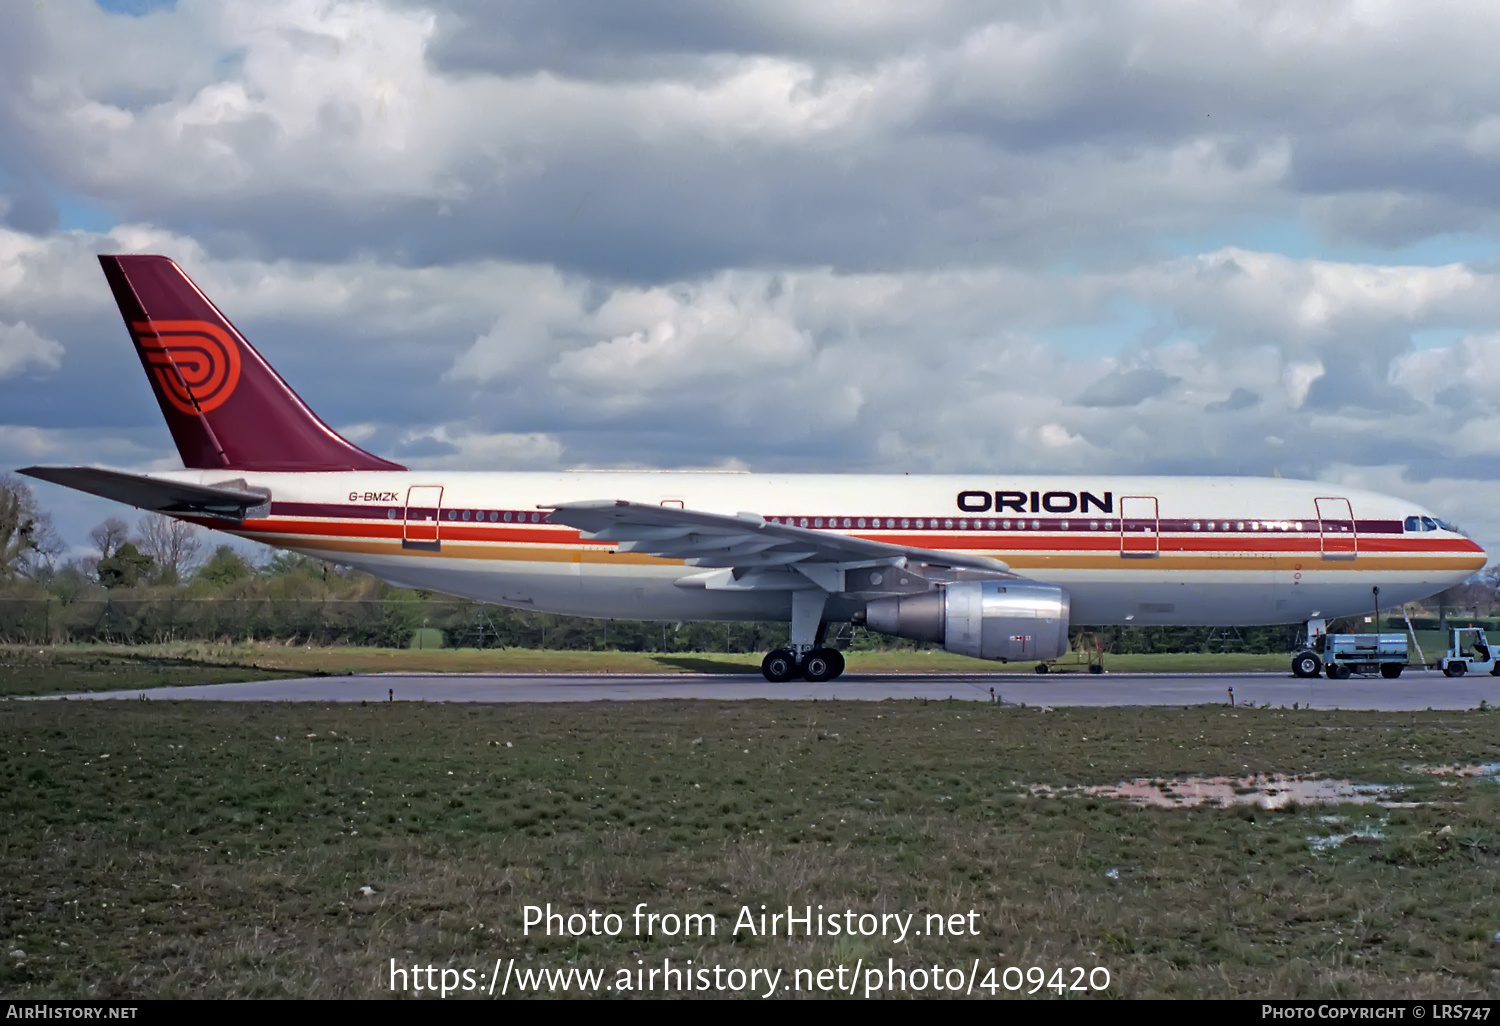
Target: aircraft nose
{"x": 1475, "y": 558}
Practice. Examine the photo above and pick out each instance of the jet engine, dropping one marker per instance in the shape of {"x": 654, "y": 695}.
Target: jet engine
{"x": 1004, "y": 620}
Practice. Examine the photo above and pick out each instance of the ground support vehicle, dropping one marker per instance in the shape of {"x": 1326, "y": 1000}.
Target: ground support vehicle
{"x": 1364, "y": 654}
{"x": 1471, "y": 652}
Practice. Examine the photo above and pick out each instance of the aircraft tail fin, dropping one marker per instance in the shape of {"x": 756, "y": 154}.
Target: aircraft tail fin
{"x": 225, "y": 406}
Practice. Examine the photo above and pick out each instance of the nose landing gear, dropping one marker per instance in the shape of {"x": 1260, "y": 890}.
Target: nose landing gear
{"x": 1306, "y": 664}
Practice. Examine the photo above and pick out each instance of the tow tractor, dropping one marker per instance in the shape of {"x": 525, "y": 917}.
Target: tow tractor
{"x": 1471, "y": 653}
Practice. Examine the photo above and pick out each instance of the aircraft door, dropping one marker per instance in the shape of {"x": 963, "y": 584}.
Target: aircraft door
{"x": 424, "y": 505}
{"x": 1336, "y": 528}
{"x": 1140, "y": 526}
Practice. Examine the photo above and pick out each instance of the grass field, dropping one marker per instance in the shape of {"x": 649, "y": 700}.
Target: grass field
{"x": 152, "y": 849}
{"x": 29, "y": 670}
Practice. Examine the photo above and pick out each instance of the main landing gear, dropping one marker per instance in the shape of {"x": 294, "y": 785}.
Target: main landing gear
{"x": 818, "y": 665}
{"x": 806, "y": 655}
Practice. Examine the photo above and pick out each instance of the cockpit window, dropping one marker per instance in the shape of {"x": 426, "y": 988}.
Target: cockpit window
{"x": 1427, "y": 524}
{"x": 1449, "y": 527}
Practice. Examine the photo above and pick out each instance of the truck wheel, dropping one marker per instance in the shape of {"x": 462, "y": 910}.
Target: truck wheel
{"x": 1454, "y": 670}
{"x": 1391, "y": 670}
{"x": 1306, "y": 664}
{"x": 1337, "y": 671}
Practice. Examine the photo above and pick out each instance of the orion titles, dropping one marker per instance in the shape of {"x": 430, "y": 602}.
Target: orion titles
{"x": 1035, "y": 502}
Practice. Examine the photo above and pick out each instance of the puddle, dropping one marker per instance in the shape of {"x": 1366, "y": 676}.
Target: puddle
{"x": 1475, "y": 769}
{"x": 1335, "y": 841}
{"x": 1267, "y": 792}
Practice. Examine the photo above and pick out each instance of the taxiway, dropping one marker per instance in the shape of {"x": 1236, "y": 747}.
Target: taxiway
{"x": 1414, "y": 690}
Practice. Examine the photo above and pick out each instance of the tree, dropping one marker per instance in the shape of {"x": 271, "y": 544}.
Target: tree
{"x": 28, "y": 542}
{"x": 125, "y": 568}
{"x": 172, "y": 544}
{"x": 284, "y": 563}
{"x": 109, "y": 536}
{"x": 225, "y": 567}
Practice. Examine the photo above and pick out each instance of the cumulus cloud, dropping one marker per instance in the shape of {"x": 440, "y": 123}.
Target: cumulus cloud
{"x": 21, "y": 349}
{"x": 1145, "y": 237}
{"x": 1239, "y": 399}
{"x": 1126, "y": 388}
{"x": 929, "y": 370}
{"x": 442, "y": 447}
{"x": 645, "y": 144}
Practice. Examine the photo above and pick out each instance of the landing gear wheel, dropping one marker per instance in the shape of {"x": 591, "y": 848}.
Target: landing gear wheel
{"x": 820, "y": 665}
{"x": 1455, "y": 670}
{"x": 778, "y": 666}
{"x": 1337, "y": 671}
{"x": 1096, "y": 668}
{"x": 1306, "y": 664}
{"x": 837, "y": 659}
{"x": 1391, "y": 671}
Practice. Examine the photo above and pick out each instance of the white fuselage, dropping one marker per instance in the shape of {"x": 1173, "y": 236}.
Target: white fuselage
{"x": 1145, "y": 550}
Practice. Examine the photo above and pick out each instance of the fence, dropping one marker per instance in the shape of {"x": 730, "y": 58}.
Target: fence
{"x": 387, "y": 623}
{"x": 397, "y": 622}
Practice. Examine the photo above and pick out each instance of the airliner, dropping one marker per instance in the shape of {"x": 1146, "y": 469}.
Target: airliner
{"x": 990, "y": 565}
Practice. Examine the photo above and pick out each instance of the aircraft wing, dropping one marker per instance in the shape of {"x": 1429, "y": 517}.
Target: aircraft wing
{"x": 749, "y": 549}
{"x": 230, "y": 500}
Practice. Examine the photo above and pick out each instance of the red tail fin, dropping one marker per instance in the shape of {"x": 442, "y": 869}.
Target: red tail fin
{"x": 225, "y": 406}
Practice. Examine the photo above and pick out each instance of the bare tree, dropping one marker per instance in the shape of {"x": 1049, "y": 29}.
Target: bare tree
{"x": 173, "y": 544}
{"x": 28, "y": 541}
{"x": 109, "y": 536}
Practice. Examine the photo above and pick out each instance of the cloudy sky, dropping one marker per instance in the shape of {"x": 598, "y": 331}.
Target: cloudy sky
{"x": 1143, "y": 237}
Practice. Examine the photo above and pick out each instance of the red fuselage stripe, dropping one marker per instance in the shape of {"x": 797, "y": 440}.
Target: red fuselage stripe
{"x": 1084, "y": 540}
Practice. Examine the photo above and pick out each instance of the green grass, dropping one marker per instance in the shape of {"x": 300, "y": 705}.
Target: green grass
{"x": 218, "y": 851}
{"x": 26, "y": 670}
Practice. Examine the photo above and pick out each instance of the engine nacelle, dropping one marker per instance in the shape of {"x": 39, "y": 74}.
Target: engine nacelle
{"x": 1004, "y": 620}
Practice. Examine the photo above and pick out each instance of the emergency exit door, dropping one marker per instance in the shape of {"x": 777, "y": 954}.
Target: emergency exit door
{"x": 424, "y": 507}
{"x": 1336, "y": 528}
{"x": 1140, "y": 526}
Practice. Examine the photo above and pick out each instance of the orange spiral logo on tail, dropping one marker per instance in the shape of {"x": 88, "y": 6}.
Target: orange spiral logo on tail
{"x": 196, "y": 364}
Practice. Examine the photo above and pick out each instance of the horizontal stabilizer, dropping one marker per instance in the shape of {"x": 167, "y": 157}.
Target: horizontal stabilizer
{"x": 230, "y": 500}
